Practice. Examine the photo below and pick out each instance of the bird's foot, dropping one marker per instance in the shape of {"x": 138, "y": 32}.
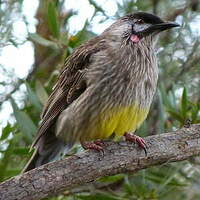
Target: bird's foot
{"x": 99, "y": 142}
{"x": 96, "y": 145}
{"x": 136, "y": 139}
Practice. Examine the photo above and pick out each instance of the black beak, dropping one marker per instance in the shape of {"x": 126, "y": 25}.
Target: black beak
{"x": 163, "y": 26}
{"x": 158, "y": 28}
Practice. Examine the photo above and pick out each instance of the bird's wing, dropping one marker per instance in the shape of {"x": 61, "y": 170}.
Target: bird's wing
{"x": 70, "y": 85}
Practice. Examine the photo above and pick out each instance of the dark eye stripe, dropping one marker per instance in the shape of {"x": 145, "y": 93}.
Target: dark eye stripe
{"x": 132, "y": 29}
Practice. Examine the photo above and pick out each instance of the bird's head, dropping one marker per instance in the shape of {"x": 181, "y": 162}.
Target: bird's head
{"x": 136, "y": 27}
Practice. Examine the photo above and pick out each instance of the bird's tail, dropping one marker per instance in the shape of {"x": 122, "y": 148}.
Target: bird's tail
{"x": 47, "y": 149}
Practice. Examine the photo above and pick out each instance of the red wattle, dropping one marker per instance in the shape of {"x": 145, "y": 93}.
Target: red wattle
{"x": 135, "y": 38}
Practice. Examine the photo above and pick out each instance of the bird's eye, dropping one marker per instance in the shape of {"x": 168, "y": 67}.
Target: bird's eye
{"x": 139, "y": 21}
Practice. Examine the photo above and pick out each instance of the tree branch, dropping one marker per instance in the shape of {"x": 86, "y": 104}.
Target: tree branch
{"x": 87, "y": 166}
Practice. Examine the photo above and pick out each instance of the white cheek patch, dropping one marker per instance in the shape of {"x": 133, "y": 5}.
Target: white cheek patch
{"x": 141, "y": 27}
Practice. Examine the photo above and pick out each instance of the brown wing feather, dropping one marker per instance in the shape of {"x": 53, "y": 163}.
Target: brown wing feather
{"x": 70, "y": 85}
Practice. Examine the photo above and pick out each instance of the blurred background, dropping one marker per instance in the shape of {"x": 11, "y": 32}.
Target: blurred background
{"x": 36, "y": 37}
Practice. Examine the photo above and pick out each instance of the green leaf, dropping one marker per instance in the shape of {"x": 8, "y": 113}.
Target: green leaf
{"x": 42, "y": 41}
{"x": 171, "y": 180}
{"x": 6, "y": 132}
{"x": 184, "y": 103}
{"x": 96, "y": 6}
{"x": 81, "y": 36}
{"x": 25, "y": 124}
{"x": 175, "y": 115}
{"x": 172, "y": 98}
{"x": 167, "y": 101}
{"x": 128, "y": 187}
{"x": 21, "y": 151}
{"x": 33, "y": 98}
{"x": 41, "y": 92}
{"x": 4, "y": 162}
{"x": 114, "y": 178}
{"x": 161, "y": 112}
{"x": 53, "y": 21}
{"x": 195, "y": 112}
{"x": 11, "y": 172}
{"x": 99, "y": 196}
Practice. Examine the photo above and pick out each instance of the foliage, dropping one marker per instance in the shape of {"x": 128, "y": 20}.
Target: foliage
{"x": 176, "y": 103}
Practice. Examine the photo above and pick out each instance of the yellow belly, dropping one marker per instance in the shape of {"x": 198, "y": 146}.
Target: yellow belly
{"x": 118, "y": 121}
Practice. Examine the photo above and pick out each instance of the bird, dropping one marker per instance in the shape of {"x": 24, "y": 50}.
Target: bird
{"x": 105, "y": 89}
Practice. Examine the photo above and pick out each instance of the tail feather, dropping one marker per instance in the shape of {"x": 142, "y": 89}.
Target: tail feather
{"x": 47, "y": 150}
{"x": 32, "y": 162}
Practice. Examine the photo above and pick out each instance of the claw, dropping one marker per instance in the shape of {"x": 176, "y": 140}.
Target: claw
{"x": 136, "y": 139}
{"x": 99, "y": 143}
{"x": 96, "y": 145}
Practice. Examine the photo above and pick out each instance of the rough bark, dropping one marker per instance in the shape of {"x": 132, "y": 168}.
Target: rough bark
{"x": 87, "y": 166}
